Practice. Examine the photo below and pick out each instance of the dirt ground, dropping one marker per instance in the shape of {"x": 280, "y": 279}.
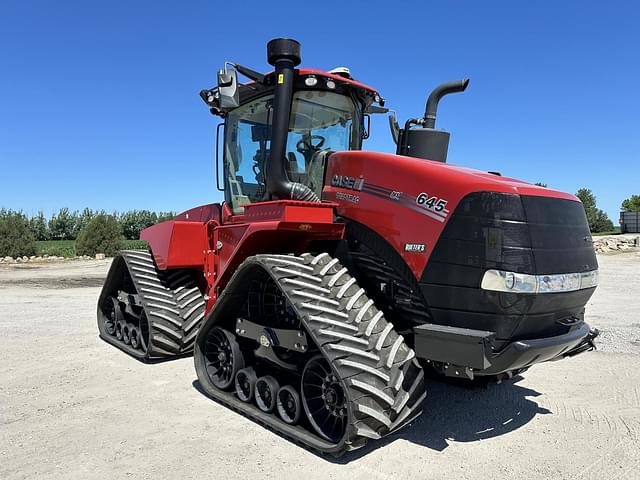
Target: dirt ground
{"x": 73, "y": 407}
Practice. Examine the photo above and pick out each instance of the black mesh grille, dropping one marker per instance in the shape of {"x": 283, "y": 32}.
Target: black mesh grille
{"x": 525, "y": 234}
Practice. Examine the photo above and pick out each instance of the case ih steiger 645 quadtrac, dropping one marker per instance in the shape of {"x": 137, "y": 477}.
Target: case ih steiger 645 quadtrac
{"x": 314, "y": 296}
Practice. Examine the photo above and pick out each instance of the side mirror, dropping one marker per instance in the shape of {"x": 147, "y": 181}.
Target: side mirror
{"x": 228, "y": 88}
{"x": 394, "y": 127}
{"x": 366, "y": 130}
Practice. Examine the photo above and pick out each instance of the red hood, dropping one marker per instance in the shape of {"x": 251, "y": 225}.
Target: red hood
{"x": 464, "y": 178}
{"x": 388, "y": 193}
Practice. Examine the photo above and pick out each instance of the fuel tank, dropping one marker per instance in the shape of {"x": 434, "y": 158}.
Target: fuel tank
{"x": 461, "y": 232}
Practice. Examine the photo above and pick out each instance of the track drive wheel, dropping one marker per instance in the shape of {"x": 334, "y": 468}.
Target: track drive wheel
{"x": 324, "y": 399}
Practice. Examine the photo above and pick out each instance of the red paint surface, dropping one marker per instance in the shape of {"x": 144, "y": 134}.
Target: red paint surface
{"x": 218, "y": 249}
{"x": 203, "y": 213}
{"x": 400, "y": 225}
{"x": 177, "y": 244}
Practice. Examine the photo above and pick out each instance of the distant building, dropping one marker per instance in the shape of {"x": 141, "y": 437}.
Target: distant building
{"x": 630, "y": 222}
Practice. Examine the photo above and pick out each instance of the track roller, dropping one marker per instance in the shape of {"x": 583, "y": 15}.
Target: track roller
{"x": 266, "y": 393}
{"x": 126, "y": 333}
{"x": 134, "y": 334}
{"x": 246, "y": 384}
{"x": 288, "y": 405}
{"x": 119, "y": 329}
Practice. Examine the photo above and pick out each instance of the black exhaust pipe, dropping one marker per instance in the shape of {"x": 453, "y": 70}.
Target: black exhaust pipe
{"x": 284, "y": 55}
{"x": 431, "y": 110}
{"x": 427, "y": 142}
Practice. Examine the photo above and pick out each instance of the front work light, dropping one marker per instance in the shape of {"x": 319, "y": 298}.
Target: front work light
{"x": 501, "y": 281}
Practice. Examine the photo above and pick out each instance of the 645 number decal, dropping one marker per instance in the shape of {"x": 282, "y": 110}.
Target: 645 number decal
{"x": 432, "y": 203}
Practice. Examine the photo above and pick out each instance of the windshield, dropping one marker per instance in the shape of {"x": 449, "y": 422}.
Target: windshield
{"x": 320, "y": 122}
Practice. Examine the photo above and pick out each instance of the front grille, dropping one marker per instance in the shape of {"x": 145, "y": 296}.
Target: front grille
{"x": 524, "y": 234}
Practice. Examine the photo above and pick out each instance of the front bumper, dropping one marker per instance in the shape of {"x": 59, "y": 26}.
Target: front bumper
{"x": 466, "y": 353}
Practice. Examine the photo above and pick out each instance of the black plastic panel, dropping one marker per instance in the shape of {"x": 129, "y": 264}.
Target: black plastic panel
{"x": 533, "y": 235}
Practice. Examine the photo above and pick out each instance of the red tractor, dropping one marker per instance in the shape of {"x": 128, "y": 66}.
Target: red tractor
{"x": 314, "y": 296}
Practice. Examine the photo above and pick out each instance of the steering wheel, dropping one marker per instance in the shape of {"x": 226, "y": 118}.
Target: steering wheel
{"x": 306, "y": 144}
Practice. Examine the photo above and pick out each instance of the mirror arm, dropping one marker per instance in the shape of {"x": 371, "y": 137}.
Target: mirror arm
{"x": 220, "y": 189}
{"x": 252, "y": 74}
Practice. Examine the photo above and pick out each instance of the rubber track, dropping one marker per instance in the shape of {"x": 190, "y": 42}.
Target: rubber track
{"x": 173, "y": 304}
{"x": 383, "y": 381}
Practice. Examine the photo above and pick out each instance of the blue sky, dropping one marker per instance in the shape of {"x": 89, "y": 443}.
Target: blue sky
{"x": 99, "y": 104}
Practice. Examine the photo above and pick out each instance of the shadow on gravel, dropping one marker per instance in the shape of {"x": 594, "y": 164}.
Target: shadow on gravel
{"x": 471, "y": 413}
{"x": 458, "y": 412}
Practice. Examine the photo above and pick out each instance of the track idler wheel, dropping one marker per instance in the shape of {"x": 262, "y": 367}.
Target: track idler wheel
{"x": 267, "y": 393}
{"x": 112, "y": 314}
{"x": 223, "y": 358}
{"x": 324, "y": 399}
{"x": 246, "y": 384}
{"x": 288, "y": 405}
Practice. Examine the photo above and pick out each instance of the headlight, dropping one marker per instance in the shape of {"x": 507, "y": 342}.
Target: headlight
{"x": 501, "y": 281}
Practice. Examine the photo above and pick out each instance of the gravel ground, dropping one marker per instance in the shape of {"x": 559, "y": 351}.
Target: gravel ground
{"x": 73, "y": 407}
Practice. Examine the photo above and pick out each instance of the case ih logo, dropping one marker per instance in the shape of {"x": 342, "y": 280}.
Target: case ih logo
{"x": 351, "y": 183}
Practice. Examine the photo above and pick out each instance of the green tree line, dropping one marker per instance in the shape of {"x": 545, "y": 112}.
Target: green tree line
{"x": 91, "y": 231}
{"x": 66, "y": 224}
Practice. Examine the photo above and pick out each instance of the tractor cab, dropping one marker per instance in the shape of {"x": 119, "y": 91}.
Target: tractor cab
{"x": 326, "y": 113}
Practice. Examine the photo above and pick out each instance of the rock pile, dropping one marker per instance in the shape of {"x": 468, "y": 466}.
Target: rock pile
{"x": 615, "y": 243}
{"x": 46, "y": 259}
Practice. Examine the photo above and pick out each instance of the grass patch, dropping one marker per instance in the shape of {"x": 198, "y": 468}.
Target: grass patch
{"x": 57, "y": 248}
{"x": 67, "y": 248}
{"x": 615, "y": 231}
{"x": 135, "y": 245}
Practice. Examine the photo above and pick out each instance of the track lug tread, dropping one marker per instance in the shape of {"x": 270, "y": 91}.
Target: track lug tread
{"x": 172, "y": 302}
{"x": 364, "y": 350}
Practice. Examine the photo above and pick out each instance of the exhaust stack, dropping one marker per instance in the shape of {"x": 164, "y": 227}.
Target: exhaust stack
{"x": 427, "y": 142}
{"x": 284, "y": 55}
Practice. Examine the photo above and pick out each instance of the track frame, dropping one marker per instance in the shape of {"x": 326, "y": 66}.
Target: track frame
{"x": 170, "y": 300}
